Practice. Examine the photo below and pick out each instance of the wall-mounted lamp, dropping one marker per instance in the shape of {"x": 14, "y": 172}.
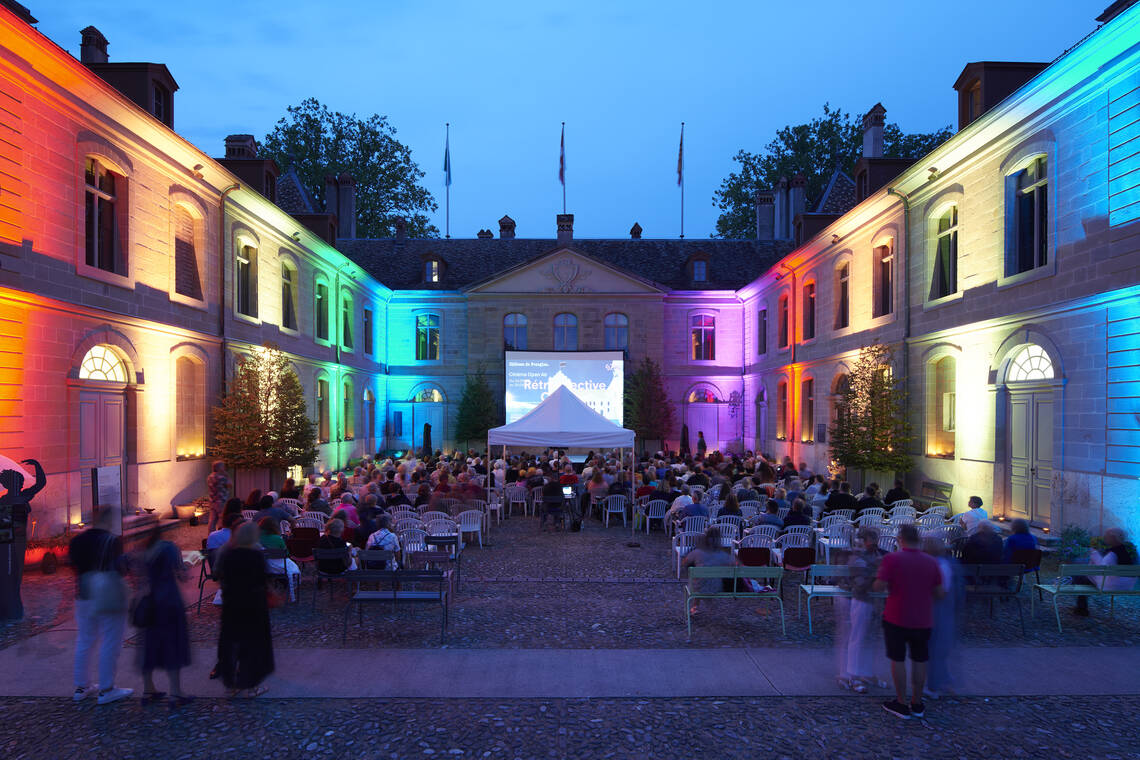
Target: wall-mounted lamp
{"x": 933, "y": 173}
{"x": 835, "y": 238}
{"x": 296, "y": 237}
{"x": 197, "y": 170}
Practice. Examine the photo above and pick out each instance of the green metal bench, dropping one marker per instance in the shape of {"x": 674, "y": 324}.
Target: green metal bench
{"x": 767, "y": 576}
{"x": 1064, "y": 585}
{"x": 819, "y": 585}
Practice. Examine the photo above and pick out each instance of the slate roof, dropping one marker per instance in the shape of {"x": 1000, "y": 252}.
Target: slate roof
{"x": 839, "y": 196}
{"x": 292, "y": 195}
{"x": 732, "y": 264}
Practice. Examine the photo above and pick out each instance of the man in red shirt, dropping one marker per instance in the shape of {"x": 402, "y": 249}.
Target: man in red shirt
{"x": 913, "y": 581}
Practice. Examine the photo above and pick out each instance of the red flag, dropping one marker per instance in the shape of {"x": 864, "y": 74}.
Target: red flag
{"x": 681, "y": 157}
{"x": 562, "y": 157}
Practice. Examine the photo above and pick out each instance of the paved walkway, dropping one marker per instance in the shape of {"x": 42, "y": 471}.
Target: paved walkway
{"x": 41, "y": 666}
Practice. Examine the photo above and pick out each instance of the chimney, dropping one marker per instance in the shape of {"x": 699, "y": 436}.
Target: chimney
{"x": 782, "y": 229}
{"x": 21, "y": 12}
{"x": 565, "y": 228}
{"x": 241, "y": 146}
{"x": 506, "y": 228}
{"x": 485, "y": 235}
{"x": 93, "y": 47}
{"x": 797, "y": 199}
{"x": 401, "y": 229}
{"x": 1114, "y": 10}
{"x": 873, "y": 131}
{"x": 346, "y": 205}
{"x": 765, "y": 216}
{"x": 635, "y": 231}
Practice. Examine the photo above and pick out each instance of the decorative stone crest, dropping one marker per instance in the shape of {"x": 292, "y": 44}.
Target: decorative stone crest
{"x": 567, "y": 275}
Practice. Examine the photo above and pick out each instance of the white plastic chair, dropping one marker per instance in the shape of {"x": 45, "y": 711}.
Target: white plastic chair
{"x": 888, "y": 544}
{"x": 749, "y": 509}
{"x": 759, "y": 540}
{"x": 291, "y": 505}
{"x": 770, "y": 531}
{"x": 441, "y": 527}
{"x": 683, "y": 543}
{"x": 434, "y": 515}
{"x": 782, "y": 512}
{"x": 902, "y": 503}
{"x": 869, "y": 521}
{"x": 313, "y": 516}
{"x": 902, "y": 510}
{"x": 615, "y": 504}
{"x": 694, "y": 524}
{"x": 846, "y": 514}
{"x": 407, "y": 523}
{"x": 735, "y": 520}
{"x": 655, "y": 510}
{"x": 832, "y": 519}
{"x": 308, "y": 522}
{"x": 412, "y": 540}
{"x": 516, "y": 494}
{"x": 471, "y": 521}
{"x": 938, "y": 509}
{"x": 697, "y": 493}
{"x": 248, "y": 514}
{"x": 728, "y": 534}
{"x": 835, "y": 536}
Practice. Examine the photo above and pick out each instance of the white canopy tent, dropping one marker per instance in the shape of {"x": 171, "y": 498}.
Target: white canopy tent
{"x": 562, "y": 420}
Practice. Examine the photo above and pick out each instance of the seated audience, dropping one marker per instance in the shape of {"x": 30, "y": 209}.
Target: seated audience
{"x": 384, "y": 540}
{"x": 896, "y": 493}
{"x": 796, "y": 516}
{"x": 841, "y": 499}
{"x": 975, "y": 514}
{"x": 983, "y": 546}
{"x": 1020, "y": 538}
{"x": 271, "y": 538}
{"x": 1117, "y": 551}
{"x": 334, "y": 539}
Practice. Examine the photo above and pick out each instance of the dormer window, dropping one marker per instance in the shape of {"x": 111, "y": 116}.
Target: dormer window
{"x": 431, "y": 270}
{"x": 973, "y": 98}
{"x": 161, "y": 102}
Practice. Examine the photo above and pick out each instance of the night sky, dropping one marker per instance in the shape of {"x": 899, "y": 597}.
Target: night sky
{"x": 622, "y": 75}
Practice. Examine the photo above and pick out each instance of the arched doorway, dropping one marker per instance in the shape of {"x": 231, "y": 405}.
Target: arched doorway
{"x": 1030, "y": 381}
{"x": 103, "y": 377}
{"x": 425, "y": 404}
{"x": 701, "y": 412}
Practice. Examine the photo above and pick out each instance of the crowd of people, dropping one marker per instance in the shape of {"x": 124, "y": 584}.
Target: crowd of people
{"x": 920, "y": 580}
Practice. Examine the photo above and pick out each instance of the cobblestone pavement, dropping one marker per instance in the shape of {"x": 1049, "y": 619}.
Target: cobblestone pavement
{"x": 777, "y": 727}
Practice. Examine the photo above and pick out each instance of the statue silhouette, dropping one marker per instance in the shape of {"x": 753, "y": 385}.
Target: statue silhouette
{"x": 14, "y": 510}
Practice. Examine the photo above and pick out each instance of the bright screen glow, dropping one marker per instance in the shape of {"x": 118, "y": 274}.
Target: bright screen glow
{"x": 596, "y": 377}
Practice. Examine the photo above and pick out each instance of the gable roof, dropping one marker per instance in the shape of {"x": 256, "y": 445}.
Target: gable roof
{"x": 558, "y": 253}
{"x": 398, "y": 263}
{"x": 292, "y": 196}
{"x": 839, "y": 195}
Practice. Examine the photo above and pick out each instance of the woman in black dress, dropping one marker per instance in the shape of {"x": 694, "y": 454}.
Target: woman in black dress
{"x": 166, "y": 640}
{"x": 245, "y": 646}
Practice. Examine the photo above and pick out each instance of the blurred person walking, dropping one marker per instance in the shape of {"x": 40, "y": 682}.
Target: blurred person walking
{"x": 943, "y": 634}
{"x": 245, "y": 643}
{"x": 161, "y": 614}
{"x": 855, "y": 666}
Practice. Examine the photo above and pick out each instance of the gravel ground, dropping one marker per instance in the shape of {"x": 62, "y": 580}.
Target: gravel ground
{"x": 778, "y": 727}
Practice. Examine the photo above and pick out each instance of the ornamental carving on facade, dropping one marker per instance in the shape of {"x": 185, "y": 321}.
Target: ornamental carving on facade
{"x": 567, "y": 275}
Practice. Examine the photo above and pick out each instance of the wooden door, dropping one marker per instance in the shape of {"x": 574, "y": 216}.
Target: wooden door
{"x": 1031, "y": 454}
{"x": 101, "y": 438}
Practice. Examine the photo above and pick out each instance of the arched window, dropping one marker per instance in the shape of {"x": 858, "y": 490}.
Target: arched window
{"x": 702, "y": 332}
{"x": 288, "y": 296}
{"x": 565, "y": 332}
{"x": 703, "y": 396}
{"x": 346, "y": 320}
{"x": 322, "y": 411}
{"x": 514, "y": 332}
{"x": 245, "y": 280}
{"x": 944, "y": 278}
{"x": 186, "y": 279}
{"x": 348, "y": 412}
{"x": 842, "y": 296}
{"x": 101, "y": 363}
{"x": 189, "y": 408}
{"x": 808, "y": 307}
{"x": 782, "y": 410}
{"x": 617, "y": 332}
{"x": 807, "y": 410}
{"x": 427, "y": 337}
{"x": 428, "y": 396}
{"x": 941, "y": 407}
{"x": 1030, "y": 363}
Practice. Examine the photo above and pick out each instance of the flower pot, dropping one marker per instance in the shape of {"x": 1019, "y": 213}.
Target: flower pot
{"x": 184, "y": 512}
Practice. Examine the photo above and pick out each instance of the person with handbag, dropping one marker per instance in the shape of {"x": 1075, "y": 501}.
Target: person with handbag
{"x": 100, "y": 607}
{"x": 161, "y": 614}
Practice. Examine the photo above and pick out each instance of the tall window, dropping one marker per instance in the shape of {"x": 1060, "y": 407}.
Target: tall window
{"x": 782, "y": 322}
{"x": 842, "y": 296}
{"x": 883, "y": 295}
{"x": 807, "y": 410}
{"x": 782, "y": 410}
{"x": 105, "y": 248}
{"x": 427, "y": 337}
{"x": 514, "y": 332}
{"x": 288, "y": 296}
{"x": 703, "y": 334}
{"x": 246, "y": 286}
{"x": 944, "y": 280}
{"x": 368, "y": 332}
{"x": 186, "y": 279}
{"x": 321, "y": 311}
{"x": 1030, "y": 218}
{"x": 322, "y": 411}
{"x": 808, "y": 308}
{"x": 346, "y": 321}
{"x": 617, "y": 332}
{"x": 942, "y": 408}
{"x": 700, "y": 270}
{"x": 565, "y": 332}
{"x": 348, "y": 412}
{"x": 189, "y": 408}
{"x": 761, "y": 332}
{"x": 431, "y": 270}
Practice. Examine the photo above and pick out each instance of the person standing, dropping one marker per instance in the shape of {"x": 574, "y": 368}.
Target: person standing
{"x": 218, "y": 490}
{"x": 855, "y": 661}
{"x": 166, "y": 639}
{"x": 913, "y": 581}
{"x": 702, "y": 447}
{"x": 15, "y": 505}
{"x": 100, "y": 615}
{"x": 245, "y": 643}
{"x": 939, "y": 680}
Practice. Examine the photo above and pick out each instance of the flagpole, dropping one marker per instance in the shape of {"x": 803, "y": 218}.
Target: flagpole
{"x": 447, "y": 185}
{"x": 563, "y": 167}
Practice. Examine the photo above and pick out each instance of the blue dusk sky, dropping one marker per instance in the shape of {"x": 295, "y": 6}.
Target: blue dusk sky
{"x": 622, "y": 75}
